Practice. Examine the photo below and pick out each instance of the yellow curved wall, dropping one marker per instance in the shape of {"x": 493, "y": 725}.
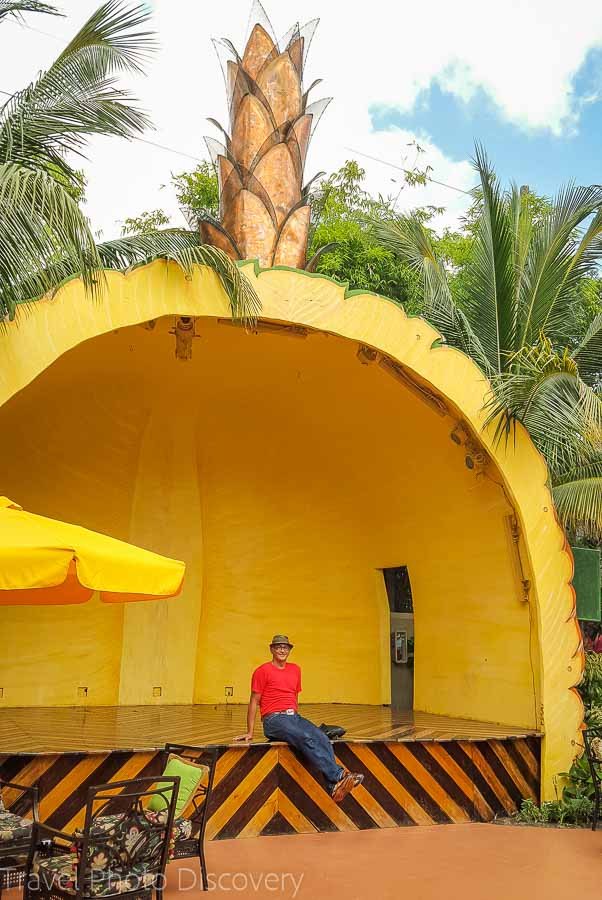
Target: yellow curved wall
{"x": 286, "y": 474}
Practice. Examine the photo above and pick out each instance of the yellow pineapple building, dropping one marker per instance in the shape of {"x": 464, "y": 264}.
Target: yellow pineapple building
{"x": 287, "y": 466}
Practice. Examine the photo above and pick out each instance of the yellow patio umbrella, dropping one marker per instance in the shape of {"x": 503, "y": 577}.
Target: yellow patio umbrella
{"x": 45, "y": 562}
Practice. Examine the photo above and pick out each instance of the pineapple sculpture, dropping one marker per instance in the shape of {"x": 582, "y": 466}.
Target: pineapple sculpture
{"x": 264, "y": 210}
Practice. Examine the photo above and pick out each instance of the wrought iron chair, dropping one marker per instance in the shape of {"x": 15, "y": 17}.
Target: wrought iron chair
{"x": 190, "y": 841}
{"x": 593, "y": 751}
{"x": 121, "y": 850}
{"x": 16, "y": 829}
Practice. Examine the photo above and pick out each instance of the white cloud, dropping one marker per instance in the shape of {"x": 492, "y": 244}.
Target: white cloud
{"x": 524, "y": 54}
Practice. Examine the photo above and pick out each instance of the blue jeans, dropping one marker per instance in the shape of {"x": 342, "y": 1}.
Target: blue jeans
{"x": 307, "y": 738}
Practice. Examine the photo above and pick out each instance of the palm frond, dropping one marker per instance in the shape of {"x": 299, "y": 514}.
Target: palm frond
{"x": 588, "y": 354}
{"x": 559, "y": 257}
{"x": 408, "y": 239}
{"x": 16, "y": 8}
{"x": 490, "y": 303}
{"x": 118, "y": 35}
{"x": 522, "y": 226}
{"x": 183, "y": 247}
{"x": 78, "y": 95}
{"x": 545, "y": 393}
{"x": 174, "y": 244}
{"x": 39, "y": 224}
{"x": 136, "y": 249}
{"x": 578, "y": 498}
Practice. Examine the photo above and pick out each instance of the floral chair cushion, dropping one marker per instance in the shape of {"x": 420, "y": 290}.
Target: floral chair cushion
{"x": 122, "y": 855}
{"x": 59, "y": 873}
{"x": 13, "y": 827}
{"x": 103, "y": 825}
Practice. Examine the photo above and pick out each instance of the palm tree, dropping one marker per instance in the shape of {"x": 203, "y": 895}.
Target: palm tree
{"x": 510, "y": 316}
{"x": 44, "y": 236}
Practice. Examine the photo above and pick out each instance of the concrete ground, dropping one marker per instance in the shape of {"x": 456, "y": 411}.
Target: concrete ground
{"x": 471, "y": 862}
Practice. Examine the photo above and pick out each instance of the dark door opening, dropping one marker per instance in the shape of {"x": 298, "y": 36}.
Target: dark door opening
{"x": 401, "y": 611}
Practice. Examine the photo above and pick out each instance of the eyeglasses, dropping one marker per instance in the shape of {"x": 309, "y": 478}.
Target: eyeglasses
{"x": 281, "y": 647}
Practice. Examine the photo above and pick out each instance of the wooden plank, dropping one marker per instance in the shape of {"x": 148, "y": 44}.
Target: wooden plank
{"x": 491, "y": 778}
{"x": 294, "y": 816}
{"x": 221, "y": 816}
{"x": 390, "y": 783}
{"x": 513, "y": 770}
{"x": 317, "y": 793}
{"x": 130, "y": 769}
{"x": 68, "y": 786}
{"x": 429, "y": 784}
{"x": 525, "y": 751}
{"x": 264, "y": 814}
{"x": 100, "y": 729}
{"x": 459, "y": 776}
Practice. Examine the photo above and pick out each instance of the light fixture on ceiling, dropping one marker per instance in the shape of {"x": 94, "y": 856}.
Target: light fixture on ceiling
{"x": 185, "y": 332}
{"x": 267, "y": 326}
{"x": 366, "y": 355}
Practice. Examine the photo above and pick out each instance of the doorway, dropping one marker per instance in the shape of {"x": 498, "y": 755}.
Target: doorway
{"x": 401, "y": 612}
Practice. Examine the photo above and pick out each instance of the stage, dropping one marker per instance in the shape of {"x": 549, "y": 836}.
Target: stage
{"x": 419, "y": 769}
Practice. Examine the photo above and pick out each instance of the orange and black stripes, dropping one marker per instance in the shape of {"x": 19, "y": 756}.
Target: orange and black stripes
{"x": 265, "y": 789}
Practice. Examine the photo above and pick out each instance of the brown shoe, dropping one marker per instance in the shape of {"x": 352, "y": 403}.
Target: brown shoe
{"x": 345, "y": 785}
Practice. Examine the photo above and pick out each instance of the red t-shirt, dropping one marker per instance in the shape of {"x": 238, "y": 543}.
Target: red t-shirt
{"x": 278, "y": 687}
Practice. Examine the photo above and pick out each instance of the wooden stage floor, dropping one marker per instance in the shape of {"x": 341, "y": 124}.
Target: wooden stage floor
{"x": 143, "y": 728}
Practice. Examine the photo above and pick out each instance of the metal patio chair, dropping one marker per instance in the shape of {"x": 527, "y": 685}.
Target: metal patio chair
{"x": 16, "y": 830}
{"x": 121, "y": 850}
{"x": 190, "y": 831}
{"x": 593, "y": 751}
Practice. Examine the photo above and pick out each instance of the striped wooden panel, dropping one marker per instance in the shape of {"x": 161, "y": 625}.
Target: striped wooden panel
{"x": 99, "y": 729}
{"x": 270, "y": 790}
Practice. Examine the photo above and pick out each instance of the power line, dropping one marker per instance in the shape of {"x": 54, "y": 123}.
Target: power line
{"x": 391, "y": 165}
{"x": 196, "y": 159}
{"x": 23, "y": 25}
{"x": 169, "y": 149}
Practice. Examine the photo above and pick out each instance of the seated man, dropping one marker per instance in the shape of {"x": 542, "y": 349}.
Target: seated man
{"x": 274, "y": 687}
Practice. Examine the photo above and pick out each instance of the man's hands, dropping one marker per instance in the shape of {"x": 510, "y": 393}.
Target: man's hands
{"x": 244, "y": 737}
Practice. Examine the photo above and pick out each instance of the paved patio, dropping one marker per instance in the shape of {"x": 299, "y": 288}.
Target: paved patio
{"x": 471, "y": 862}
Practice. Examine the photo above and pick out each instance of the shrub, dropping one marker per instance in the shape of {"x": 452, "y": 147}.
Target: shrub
{"x": 570, "y": 811}
{"x": 591, "y": 684}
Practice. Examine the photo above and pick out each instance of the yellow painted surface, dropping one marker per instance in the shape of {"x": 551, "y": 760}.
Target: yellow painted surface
{"x": 285, "y": 474}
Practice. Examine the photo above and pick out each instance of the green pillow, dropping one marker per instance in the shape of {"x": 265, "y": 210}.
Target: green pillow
{"x": 190, "y": 773}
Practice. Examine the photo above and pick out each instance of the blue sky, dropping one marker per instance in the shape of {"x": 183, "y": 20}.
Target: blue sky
{"x": 534, "y": 156}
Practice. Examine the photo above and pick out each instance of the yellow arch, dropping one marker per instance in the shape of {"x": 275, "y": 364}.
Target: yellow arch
{"x": 409, "y": 349}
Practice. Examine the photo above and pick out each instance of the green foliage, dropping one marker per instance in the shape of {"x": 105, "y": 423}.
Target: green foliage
{"x": 75, "y": 185}
{"x": 145, "y": 223}
{"x": 593, "y": 716}
{"x": 197, "y": 192}
{"x": 340, "y": 210}
{"x": 41, "y": 127}
{"x": 554, "y": 812}
{"x": 577, "y": 802}
{"x": 591, "y": 684}
{"x": 16, "y": 8}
